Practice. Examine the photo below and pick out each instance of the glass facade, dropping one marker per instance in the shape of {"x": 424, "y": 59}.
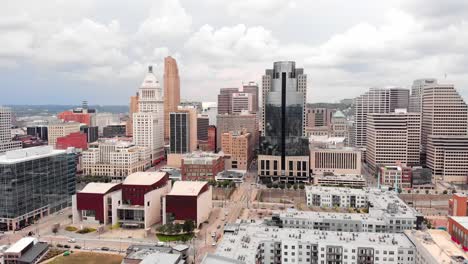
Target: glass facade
{"x": 28, "y": 186}
{"x": 284, "y": 113}
{"x": 179, "y": 132}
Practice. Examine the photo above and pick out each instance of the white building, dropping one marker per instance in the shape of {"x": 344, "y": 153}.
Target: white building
{"x": 6, "y": 143}
{"x": 148, "y": 123}
{"x": 102, "y": 120}
{"x": 415, "y": 104}
{"x": 61, "y": 130}
{"x": 336, "y": 197}
{"x": 345, "y": 180}
{"x": 242, "y": 102}
{"x": 447, "y": 157}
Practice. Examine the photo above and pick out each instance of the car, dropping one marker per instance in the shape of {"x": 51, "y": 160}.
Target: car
{"x": 66, "y": 246}
{"x": 213, "y": 244}
{"x": 213, "y": 234}
{"x": 219, "y": 226}
{"x": 77, "y": 246}
{"x": 105, "y": 249}
{"x": 72, "y": 240}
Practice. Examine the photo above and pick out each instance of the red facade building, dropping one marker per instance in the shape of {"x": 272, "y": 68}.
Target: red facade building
{"x": 77, "y": 140}
{"x": 201, "y": 166}
{"x": 212, "y": 139}
{"x": 68, "y": 116}
{"x": 92, "y": 199}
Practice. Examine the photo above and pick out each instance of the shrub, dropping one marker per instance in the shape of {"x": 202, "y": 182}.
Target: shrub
{"x": 71, "y": 229}
{"x": 445, "y": 192}
{"x": 86, "y": 230}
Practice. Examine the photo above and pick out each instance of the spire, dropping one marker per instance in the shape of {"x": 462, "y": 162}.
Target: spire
{"x": 150, "y": 69}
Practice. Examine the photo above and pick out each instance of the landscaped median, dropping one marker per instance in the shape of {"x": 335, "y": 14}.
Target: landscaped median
{"x": 175, "y": 232}
{"x": 84, "y": 230}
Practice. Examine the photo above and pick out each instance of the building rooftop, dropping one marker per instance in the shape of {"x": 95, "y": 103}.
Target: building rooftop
{"x": 200, "y": 157}
{"x": 98, "y": 187}
{"x": 462, "y": 220}
{"x": 22, "y": 155}
{"x": 21, "y": 245}
{"x": 33, "y": 253}
{"x": 161, "y": 258}
{"x": 216, "y": 259}
{"x": 187, "y": 188}
{"x": 338, "y": 114}
{"x": 144, "y": 178}
{"x": 334, "y": 190}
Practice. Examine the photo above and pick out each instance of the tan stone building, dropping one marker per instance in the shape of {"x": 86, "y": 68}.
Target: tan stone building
{"x": 61, "y": 130}
{"x": 237, "y": 149}
{"x": 340, "y": 161}
{"x": 447, "y": 157}
{"x": 171, "y": 91}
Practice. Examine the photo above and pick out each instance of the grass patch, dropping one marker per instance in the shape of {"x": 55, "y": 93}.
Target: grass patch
{"x": 170, "y": 238}
{"x": 86, "y": 230}
{"x": 71, "y": 229}
{"x": 88, "y": 258}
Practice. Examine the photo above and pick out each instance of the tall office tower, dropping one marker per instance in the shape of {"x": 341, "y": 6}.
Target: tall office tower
{"x": 183, "y": 128}
{"x": 202, "y": 127}
{"x": 444, "y": 112}
{"x": 415, "y": 104}
{"x": 447, "y": 158}
{"x": 393, "y": 138}
{"x": 61, "y": 130}
{"x": 241, "y": 102}
{"x": 284, "y": 151}
{"x": 225, "y": 100}
{"x": 317, "y": 117}
{"x": 5, "y": 131}
{"x": 148, "y": 122}
{"x": 133, "y": 108}
{"x": 376, "y": 100}
{"x": 171, "y": 91}
{"x": 252, "y": 88}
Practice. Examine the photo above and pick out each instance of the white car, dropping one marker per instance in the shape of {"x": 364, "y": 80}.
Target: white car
{"x": 213, "y": 244}
{"x": 72, "y": 240}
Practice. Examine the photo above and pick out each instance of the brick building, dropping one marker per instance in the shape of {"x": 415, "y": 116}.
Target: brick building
{"x": 201, "y": 166}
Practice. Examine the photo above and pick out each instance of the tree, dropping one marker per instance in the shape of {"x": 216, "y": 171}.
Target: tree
{"x": 399, "y": 190}
{"x": 417, "y": 191}
{"x": 301, "y": 186}
{"x": 295, "y": 186}
{"x": 188, "y": 226}
{"x": 427, "y": 191}
{"x": 178, "y": 228}
{"x": 275, "y": 185}
{"x": 289, "y": 186}
{"x": 454, "y": 191}
{"x": 282, "y": 186}
{"x": 162, "y": 229}
{"x": 409, "y": 191}
{"x": 212, "y": 182}
{"x": 269, "y": 185}
{"x": 55, "y": 230}
{"x": 170, "y": 228}
{"x": 445, "y": 192}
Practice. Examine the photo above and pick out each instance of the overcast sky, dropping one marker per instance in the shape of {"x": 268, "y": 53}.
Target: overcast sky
{"x": 64, "y": 51}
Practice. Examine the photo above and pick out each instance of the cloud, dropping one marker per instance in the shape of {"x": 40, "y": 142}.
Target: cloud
{"x": 254, "y": 8}
{"x": 16, "y": 38}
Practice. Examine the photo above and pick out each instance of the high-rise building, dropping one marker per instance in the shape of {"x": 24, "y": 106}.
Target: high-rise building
{"x": 447, "y": 157}
{"x": 148, "y": 122}
{"x": 5, "y": 131}
{"x": 284, "y": 151}
{"x": 183, "y": 128}
{"x": 252, "y": 88}
{"x": 133, "y": 108}
{"x": 225, "y": 100}
{"x": 36, "y": 182}
{"x": 415, "y": 104}
{"x": 202, "y": 127}
{"x": 376, "y": 100}
{"x": 237, "y": 149}
{"x": 102, "y": 120}
{"x": 61, "y": 130}
{"x": 393, "y": 138}
{"x": 339, "y": 127}
{"x": 318, "y": 117}
{"x": 245, "y": 120}
{"x": 40, "y": 132}
{"x": 444, "y": 112}
{"x": 115, "y": 131}
{"x": 241, "y": 102}
{"x": 171, "y": 91}
{"x": 92, "y": 133}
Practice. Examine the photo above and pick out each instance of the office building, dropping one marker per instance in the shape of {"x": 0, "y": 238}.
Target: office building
{"x": 398, "y": 177}
{"x": 458, "y": 205}
{"x": 283, "y": 150}
{"x": 210, "y": 145}
{"x": 134, "y": 203}
{"x": 376, "y": 100}
{"x": 114, "y": 131}
{"x": 318, "y": 117}
{"x": 148, "y": 122}
{"x": 444, "y": 113}
{"x": 337, "y": 161}
{"x": 183, "y": 130}
{"x": 252, "y": 88}
{"x": 102, "y": 120}
{"x": 75, "y": 140}
{"x": 241, "y": 102}
{"x": 188, "y": 200}
{"x": 61, "y": 130}
{"x": 202, "y": 128}
{"x": 115, "y": 159}
{"x": 92, "y": 133}
{"x": 35, "y": 182}
{"x": 237, "y": 149}
{"x": 41, "y": 132}
{"x": 227, "y": 123}
{"x": 133, "y": 108}
{"x": 6, "y": 143}
{"x": 255, "y": 243}
{"x": 420, "y": 176}
{"x": 339, "y": 126}
{"x": 171, "y": 91}
{"x": 447, "y": 157}
{"x": 225, "y": 100}
{"x": 415, "y": 104}
{"x": 27, "y": 250}
{"x": 201, "y": 166}
{"x": 393, "y": 138}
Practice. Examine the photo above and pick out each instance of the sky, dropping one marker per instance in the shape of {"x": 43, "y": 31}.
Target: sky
{"x": 64, "y": 51}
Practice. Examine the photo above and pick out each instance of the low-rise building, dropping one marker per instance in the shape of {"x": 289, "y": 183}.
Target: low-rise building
{"x": 336, "y": 197}
{"x": 458, "y": 205}
{"x": 447, "y": 157}
{"x": 188, "y": 201}
{"x": 75, "y": 140}
{"x": 201, "y": 166}
{"x": 458, "y": 230}
{"x": 236, "y": 176}
{"x": 346, "y": 180}
{"x": 396, "y": 176}
{"x": 237, "y": 149}
{"x": 61, "y": 130}
{"x": 28, "y": 250}
{"x": 335, "y": 160}
{"x": 111, "y": 131}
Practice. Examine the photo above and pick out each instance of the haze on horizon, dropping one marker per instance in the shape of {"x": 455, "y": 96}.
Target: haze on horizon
{"x": 63, "y": 52}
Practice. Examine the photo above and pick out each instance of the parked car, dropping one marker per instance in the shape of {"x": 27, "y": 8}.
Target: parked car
{"x": 72, "y": 240}
{"x": 66, "y": 246}
{"x": 105, "y": 249}
{"x": 77, "y": 246}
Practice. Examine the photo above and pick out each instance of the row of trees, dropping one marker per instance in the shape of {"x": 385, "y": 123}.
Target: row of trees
{"x": 222, "y": 184}
{"x": 285, "y": 186}
{"x": 174, "y": 229}
{"x": 88, "y": 178}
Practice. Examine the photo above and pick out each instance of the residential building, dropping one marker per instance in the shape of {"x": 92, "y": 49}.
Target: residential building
{"x": 61, "y": 130}
{"x": 458, "y": 205}
{"x": 237, "y": 149}
{"x": 447, "y": 157}
{"x": 114, "y": 131}
{"x": 376, "y": 100}
{"x": 133, "y": 108}
{"x": 27, "y": 250}
{"x": 241, "y": 102}
{"x": 198, "y": 166}
{"x": 247, "y": 121}
{"x": 398, "y": 177}
{"x": 6, "y": 143}
{"x": 319, "y": 117}
{"x": 393, "y": 138}
{"x": 188, "y": 200}
{"x": 135, "y": 203}
{"x": 40, "y": 132}
{"x": 183, "y": 129}
{"x": 283, "y": 144}
{"x": 115, "y": 158}
{"x": 252, "y": 88}
{"x": 336, "y": 161}
{"x": 36, "y": 182}
{"x": 171, "y": 91}
{"x": 148, "y": 122}
{"x": 336, "y": 197}
{"x": 347, "y": 180}
{"x": 415, "y": 103}
{"x": 76, "y": 140}
{"x": 225, "y": 100}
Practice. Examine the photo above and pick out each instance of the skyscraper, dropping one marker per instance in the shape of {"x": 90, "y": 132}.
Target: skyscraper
{"x": 5, "y": 131}
{"x": 252, "y": 88}
{"x": 148, "y": 122}
{"x": 171, "y": 91}
{"x": 415, "y": 104}
{"x": 225, "y": 100}
{"x": 376, "y": 100}
{"x": 283, "y": 148}
{"x": 133, "y": 108}
{"x": 241, "y": 102}
{"x": 183, "y": 128}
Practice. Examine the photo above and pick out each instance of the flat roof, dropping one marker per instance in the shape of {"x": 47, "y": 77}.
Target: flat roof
{"x": 33, "y": 253}
{"x": 187, "y": 188}
{"x": 161, "y": 258}
{"x": 22, "y": 155}
{"x": 216, "y": 259}
{"x": 21, "y": 244}
{"x": 462, "y": 220}
{"x": 98, "y": 187}
{"x": 144, "y": 178}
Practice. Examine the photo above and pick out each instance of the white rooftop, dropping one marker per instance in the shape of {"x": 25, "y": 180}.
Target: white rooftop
{"x": 21, "y": 244}
{"x": 462, "y": 220}
{"x": 144, "y": 178}
{"x": 98, "y": 187}
{"x": 22, "y": 155}
{"x": 187, "y": 188}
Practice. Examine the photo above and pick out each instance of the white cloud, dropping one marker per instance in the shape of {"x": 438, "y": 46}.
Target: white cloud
{"x": 254, "y": 8}
{"x": 16, "y": 38}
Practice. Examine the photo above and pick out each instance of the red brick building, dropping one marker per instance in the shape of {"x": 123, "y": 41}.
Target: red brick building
{"x": 201, "y": 166}
{"x": 458, "y": 205}
{"x": 68, "y": 116}
{"x": 212, "y": 139}
{"x": 77, "y": 140}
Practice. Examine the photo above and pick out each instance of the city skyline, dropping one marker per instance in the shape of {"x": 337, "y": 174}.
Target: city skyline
{"x": 394, "y": 44}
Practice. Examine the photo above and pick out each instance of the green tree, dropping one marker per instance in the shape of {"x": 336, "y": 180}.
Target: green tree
{"x": 275, "y": 185}
{"x": 55, "y": 230}
{"x": 427, "y": 191}
{"x": 295, "y": 186}
{"x": 454, "y": 191}
{"x": 282, "y": 186}
{"x": 269, "y": 185}
{"x": 289, "y": 186}
{"x": 170, "y": 228}
{"x": 409, "y": 191}
{"x": 188, "y": 226}
{"x": 445, "y": 192}
{"x": 301, "y": 186}
{"x": 178, "y": 228}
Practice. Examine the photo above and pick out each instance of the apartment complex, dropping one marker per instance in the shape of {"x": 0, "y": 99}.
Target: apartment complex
{"x": 348, "y": 180}
{"x": 336, "y": 197}
{"x": 36, "y": 182}
{"x": 237, "y": 149}
{"x": 61, "y": 130}
{"x": 447, "y": 157}
{"x": 6, "y": 143}
{"x": 171, "y": 91}
{"x": 115, "y": 158}
{"x": 393, "y": 138}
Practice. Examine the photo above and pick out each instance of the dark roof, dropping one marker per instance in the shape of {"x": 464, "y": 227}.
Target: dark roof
{"x": 33, "y": 253}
